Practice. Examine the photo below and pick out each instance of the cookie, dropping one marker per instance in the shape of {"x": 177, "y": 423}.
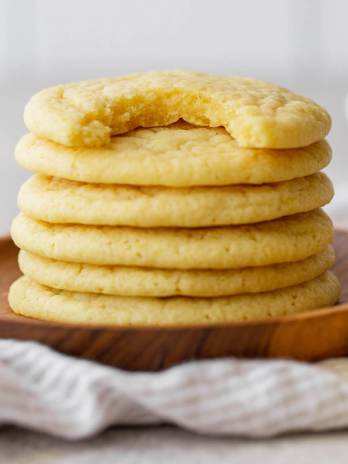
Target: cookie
{"x": 136, "y": 281}
{"x": 175, "y": 156}
{"x": 31, "y": 299}
{"x": 255, "y": 113}
{"x": 292, "y": 238}
{"x": 57, "y": 200}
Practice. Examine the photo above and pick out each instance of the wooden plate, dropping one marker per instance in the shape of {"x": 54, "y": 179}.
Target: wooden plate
{"x": 308, "y": 336}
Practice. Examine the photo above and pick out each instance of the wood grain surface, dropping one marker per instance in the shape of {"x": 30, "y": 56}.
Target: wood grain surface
{"x": 308, "y": 336}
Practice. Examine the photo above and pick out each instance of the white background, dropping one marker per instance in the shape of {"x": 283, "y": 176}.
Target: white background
{"x": 302, "y": 44}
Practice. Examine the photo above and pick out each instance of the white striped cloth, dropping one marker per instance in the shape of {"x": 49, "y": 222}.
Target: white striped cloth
{"x": 72, "y": 398}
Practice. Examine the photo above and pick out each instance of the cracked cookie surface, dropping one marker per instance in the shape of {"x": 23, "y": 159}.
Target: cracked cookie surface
{"x": 255, "y": 113}
{"x": 30, "y": 299}
{"x": 288, "y": 239}
{"x": 180, "y": 155}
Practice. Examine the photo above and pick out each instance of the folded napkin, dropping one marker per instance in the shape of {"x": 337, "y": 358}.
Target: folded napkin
{"x": 72, "y": 398}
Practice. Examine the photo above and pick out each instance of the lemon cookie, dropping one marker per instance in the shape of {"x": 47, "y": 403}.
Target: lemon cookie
{"x": 292, "y": 238}
{"x": 31, "y": 299}
{"x": 175, "y": 156}
{"x": 255, "y": 113}
{"x": 62, "y": 201}
{"x": 136, "y": 281}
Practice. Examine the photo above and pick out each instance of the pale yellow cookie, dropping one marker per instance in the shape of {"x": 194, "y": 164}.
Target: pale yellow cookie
{"x": 62, "y": 201}
{"x": 31, "y": 299}
{"x": 283, "y": 240}
{"x": 175, "y": 156}
{"x": 255, "y": 113}
{"x": 137, "y": 281}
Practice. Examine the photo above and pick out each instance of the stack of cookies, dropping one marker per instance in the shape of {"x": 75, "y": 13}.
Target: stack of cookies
{"x": 137, "y": 217}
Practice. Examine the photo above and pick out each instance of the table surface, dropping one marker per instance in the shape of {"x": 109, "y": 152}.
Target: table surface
{"x": 170, "y": 445}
